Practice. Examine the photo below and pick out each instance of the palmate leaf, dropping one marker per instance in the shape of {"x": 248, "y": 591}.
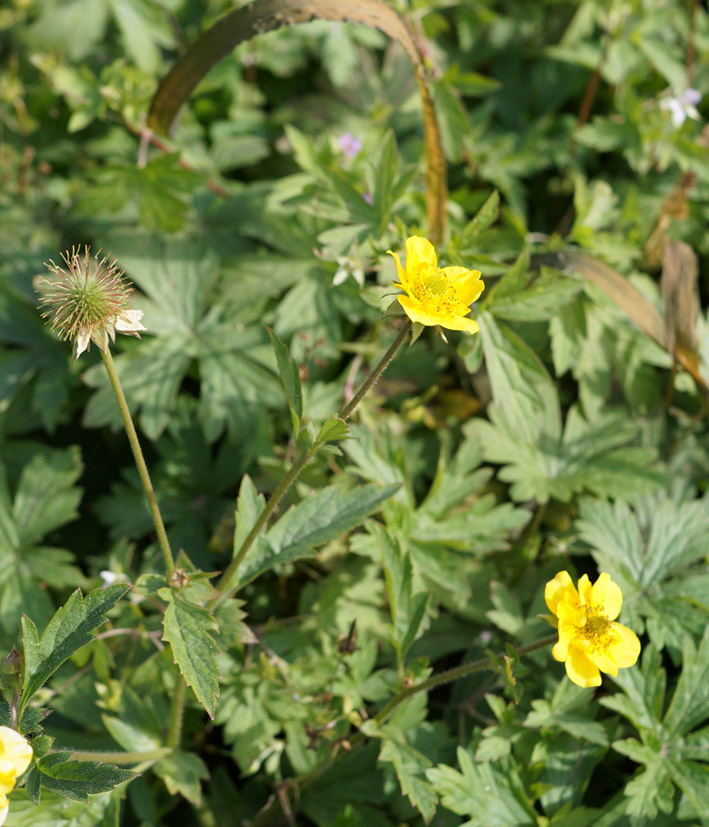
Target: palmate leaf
{"x": 409, "y": 764}
{"x": 673, "y": 753}
{"x": 652, "y": 551}
{"x": 235, "y": 363}
{"x": 33, "y": 357}
{"x": 524, "y": 433}
{"x": 70, "y": 629}
{"x": 491, "y": 794}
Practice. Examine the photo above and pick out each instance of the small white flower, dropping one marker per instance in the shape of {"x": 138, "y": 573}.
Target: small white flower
{"x": 111, "y": 577}
{"x": 108, "y": 577}
{"x": 682, "y": 106}
{"x": 348, "y": 267}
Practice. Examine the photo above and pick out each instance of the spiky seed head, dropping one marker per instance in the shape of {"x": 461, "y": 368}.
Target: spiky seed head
{"x": 87, "y": 299}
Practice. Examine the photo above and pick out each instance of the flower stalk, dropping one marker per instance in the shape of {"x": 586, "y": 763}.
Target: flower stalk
{"x": 227, "y": 583}
{"x": 139, "y": 460}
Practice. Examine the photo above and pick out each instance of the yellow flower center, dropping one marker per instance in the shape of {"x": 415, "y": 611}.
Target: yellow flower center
{"x": 596, "y": 627}
{"x": 432, "y": 288}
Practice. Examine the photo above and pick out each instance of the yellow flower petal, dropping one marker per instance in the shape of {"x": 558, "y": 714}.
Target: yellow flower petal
{"x": 556, "y": 589}
{"x": 4, "y": 808}
{"x": 419, "y": 251}
{"x": 415, "y": 311}
{"x": 560, "y": 650}
{"x": 15, "y": 757}
{"x": 460, "y": 323}
{"x": 625, "y": 647}
{"x": 585, "y": 590}
{"x": 399, "y": 269}
{"x": 607, "y": 594}
{"x": 582, "y": 671}
{"x": 467, "y": 283}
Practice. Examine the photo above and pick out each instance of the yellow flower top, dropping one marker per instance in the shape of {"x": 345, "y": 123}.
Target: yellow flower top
{"x": 590, "y": 642}
{"x": 15, "y": 757}
{"x": 436, "y": 296}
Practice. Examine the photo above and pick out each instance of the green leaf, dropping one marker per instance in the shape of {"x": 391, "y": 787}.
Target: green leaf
{"x": 410, "y": 764}
{"x": 484, "y": 218}
{"x": 408, "y": 610}
{"x": 290, "y": 377}
{"x": 188, "y": 629}
{"x": 325, "y": 515}
{"x": 667, "y": 752}
{"x": 334, "y": 428}
{"x": 182, "y": 773}
{"x": 492, "y": 794}
{"x": 79, "y": 779}
{"x": 46, "y": 497}
{"x": 69, "y": 630}
{"x": 322, "y": 517}
{"x": 651, "y": 550}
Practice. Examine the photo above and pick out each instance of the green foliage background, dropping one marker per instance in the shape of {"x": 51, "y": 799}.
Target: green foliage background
{"x": 569, "y": 434}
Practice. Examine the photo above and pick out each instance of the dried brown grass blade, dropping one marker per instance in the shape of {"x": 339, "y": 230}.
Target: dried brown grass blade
{"x": 267, "y": 15}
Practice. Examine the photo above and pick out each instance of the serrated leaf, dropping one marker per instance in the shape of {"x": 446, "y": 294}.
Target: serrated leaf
{"x": 188, "y": 629}
{"x": 321, "y": 517}
{"x": 182, "y": 774}
{"x": 492, "y": 794}
{"x": 79, "y": 779}
{"x": 409, "y": 764}
{"x": 408, "y": 610}
{"x": 324, "y": 515}
{"x": 69, "y": 630}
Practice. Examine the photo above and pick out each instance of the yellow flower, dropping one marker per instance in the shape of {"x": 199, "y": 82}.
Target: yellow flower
{"x": 589, "y": 639}
{"x": 15, "y": 757}
{"x": 436, "y": 296}
{"x": 4, "y": 808}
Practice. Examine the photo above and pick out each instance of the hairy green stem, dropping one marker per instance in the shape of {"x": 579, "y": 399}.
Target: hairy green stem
{"x": 452, "y": 675}
{"x": 377, "y": 372}
{"x": 226, "y": 584}
{"x": 139, "y": 460}
{"x": 122, "y": 757}
{"x": 174, "y": 733}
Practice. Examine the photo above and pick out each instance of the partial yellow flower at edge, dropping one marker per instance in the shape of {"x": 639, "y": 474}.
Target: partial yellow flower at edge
{"x": 590, "y": 641}
{"x": 436, "y": 296}
{"x": 15, "y": 757}
{"x": 4, "y": 808}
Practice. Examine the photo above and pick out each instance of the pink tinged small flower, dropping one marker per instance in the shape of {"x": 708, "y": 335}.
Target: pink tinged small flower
{"x": 349, "y": 145}
{"x": 87, "y": 301}
{"x": 369, "y": 198}
{"x": 683, "y": 106}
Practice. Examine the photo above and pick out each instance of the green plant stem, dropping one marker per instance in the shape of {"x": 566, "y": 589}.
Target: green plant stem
{"x": 122, "y": 757}
{"x": 174, "y": 733}
{"x": 139, "y": 460}
{"x": 365, "y": 387}
{"x": 452, "y": 675}
{"x": 226, "y": 585}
